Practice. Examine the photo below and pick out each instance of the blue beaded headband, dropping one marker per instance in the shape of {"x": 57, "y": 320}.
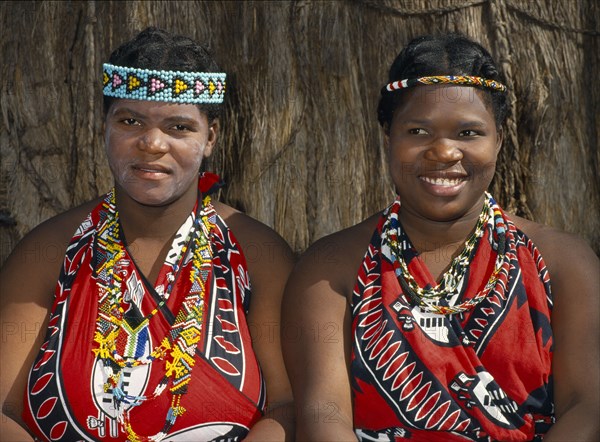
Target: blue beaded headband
{"x": 172, "y": 86}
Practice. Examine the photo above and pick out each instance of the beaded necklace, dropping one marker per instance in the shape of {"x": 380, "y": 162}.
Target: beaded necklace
{"x": 435, "y": 299}
{"x": 178, "y": 347}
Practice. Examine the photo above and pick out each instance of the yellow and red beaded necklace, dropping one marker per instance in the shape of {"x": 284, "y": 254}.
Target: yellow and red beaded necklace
{"x": 178, "y": 347}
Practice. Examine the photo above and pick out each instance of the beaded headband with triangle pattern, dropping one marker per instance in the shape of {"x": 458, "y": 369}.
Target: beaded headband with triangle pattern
{"x": 172, "y": 86}
{"x": 460, "y": 80}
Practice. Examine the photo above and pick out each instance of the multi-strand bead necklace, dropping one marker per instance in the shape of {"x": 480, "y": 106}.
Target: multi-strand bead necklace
{"x": 435, "y": 299}
{"x": 178, "y": 347}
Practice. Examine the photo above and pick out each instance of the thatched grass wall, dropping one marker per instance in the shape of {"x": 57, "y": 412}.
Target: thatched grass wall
{"x": 301, "y": 148}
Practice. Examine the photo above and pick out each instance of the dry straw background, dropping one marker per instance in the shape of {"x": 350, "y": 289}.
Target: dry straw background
{"x": 301, "y": 149}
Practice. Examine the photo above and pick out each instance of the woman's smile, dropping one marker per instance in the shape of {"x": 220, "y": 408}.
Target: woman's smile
{"x": 442, "y": 152}
{"x": 443, "y": 186}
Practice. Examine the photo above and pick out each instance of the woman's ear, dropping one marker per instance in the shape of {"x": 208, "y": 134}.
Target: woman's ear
{"x": 499, "y": 139}
{"x": 386, "y": 136}
{"x": 213, "y": 133}
{"x": 104, "y": 130}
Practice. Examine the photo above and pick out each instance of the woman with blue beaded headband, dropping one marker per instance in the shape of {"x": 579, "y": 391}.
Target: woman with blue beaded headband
{"x": 450, "y": 319}
{"x": 155, "y": 328}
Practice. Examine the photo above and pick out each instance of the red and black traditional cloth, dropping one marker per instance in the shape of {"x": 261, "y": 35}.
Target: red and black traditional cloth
{"x": 65, "y": 399}
{"x": 481, "y": 375}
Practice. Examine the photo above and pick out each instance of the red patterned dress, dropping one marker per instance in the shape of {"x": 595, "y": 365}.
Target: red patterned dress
{"x": 66, "y": 398}
{"x": 480, "y": 375}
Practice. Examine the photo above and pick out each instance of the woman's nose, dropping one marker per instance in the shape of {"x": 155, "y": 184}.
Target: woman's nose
{"x": 444, "y": 150}
{"x": 153, "y": 141}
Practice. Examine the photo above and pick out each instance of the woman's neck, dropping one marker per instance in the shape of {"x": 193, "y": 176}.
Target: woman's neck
{"x": 428, "y": 235}
{"x": 152, "y": 223}
{"x": 439, "y": 242}
{"x": 149, "y": 230}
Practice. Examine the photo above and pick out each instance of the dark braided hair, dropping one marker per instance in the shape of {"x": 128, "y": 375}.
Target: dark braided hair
{"x": 449, "y": 54}
{"x": 156, "y": 49}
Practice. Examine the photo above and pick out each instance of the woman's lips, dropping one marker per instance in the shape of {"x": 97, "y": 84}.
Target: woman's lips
{"x": 151, "y": 171}
{"x": 444, "y": 186}
{"x": 448, "y": 182}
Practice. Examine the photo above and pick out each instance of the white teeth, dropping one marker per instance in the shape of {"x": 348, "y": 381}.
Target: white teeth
{"x": 442, "y": 181}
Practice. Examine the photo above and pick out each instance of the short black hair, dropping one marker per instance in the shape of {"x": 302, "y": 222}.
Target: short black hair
{"x": 448, "y": 54}
{"x": 158, "y": 49}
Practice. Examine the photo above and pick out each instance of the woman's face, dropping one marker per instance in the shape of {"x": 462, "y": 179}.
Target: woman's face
{"x": 155, "y": 149}
{"x": 442, "y": 146}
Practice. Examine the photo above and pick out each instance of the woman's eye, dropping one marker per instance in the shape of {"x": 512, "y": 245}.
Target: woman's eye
{"x": 180, "y": 127}
{"x": 468, "y": 133}
{"x": 130, "y": 121}
{"x": 417, "y": 131}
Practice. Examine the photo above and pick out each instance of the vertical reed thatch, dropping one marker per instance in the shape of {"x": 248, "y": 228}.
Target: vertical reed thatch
{"x": 301, "y": 148}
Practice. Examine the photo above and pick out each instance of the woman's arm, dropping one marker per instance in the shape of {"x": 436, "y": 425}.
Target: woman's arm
{"x": 268, "y": 275}
{"x": 574, "y": 272}
{"x": 317, "y": 338}
{"x": 27, "y": 281}
{"x": 269, "y": 261}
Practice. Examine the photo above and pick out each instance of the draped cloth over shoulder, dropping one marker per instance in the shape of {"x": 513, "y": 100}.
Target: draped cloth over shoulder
{"x": 65, "y": 398}
{"x": 481, "y": 375}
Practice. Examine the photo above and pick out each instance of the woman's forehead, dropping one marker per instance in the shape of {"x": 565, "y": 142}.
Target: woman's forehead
{"x": 156, "y": 109}
{"x": 446, "y": 98}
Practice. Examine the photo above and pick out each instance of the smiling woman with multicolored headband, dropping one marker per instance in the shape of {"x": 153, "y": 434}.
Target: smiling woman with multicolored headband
{"x": 454, "y": 320}
{"x": 154, "y": 331}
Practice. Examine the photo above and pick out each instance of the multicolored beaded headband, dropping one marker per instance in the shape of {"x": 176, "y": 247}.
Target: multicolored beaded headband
{"x": 461, "y": 80}
{"x": 173, "y": 86}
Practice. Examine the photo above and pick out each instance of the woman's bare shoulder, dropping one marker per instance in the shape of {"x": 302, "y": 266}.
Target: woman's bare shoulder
{"x": 254, "y": 236}
{"x": 268, "y": 256}
{"x": 41, "y": 253}
{"x": 58, "y": 230}
{"x": 561, "y": 250}
{"x": 337, "y": 257}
